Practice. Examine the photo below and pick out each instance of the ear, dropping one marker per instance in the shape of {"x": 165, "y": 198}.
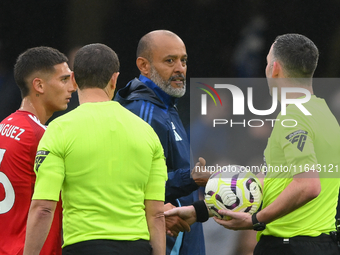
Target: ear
{"x": 114, "y": 80}
{"x": 38, "y": 85}
{"x": 73, "y": 80}
{"x": 144, "y": 66}
{"x": 277, "y": 70}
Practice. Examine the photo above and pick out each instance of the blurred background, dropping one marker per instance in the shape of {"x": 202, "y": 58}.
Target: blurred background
{"x": 223, "y": 39}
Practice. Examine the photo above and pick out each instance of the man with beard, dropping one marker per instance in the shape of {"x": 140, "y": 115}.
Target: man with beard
{"x": 162, "y": 61}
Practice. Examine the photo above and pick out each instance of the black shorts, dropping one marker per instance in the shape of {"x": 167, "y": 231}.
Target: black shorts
{"x": 109, "y": 247}
{"x": 299, "y": 245}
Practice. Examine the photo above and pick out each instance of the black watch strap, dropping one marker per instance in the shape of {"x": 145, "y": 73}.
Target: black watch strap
{"x": 257, "y": 226}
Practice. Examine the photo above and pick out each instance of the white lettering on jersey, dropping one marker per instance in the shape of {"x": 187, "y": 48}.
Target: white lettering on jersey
{"x": 21, "y": 131}
{"x": 10, "y": 131}
{"x": 14, "y": 131}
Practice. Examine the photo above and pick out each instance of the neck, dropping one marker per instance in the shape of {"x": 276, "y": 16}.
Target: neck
{"x": 93, "y": 95}
{"x": 32, "y": 105}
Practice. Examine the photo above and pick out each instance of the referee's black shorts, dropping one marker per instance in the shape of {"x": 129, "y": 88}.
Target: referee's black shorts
{"x": 298, "y": 245}
{"x": 109, "y": 247}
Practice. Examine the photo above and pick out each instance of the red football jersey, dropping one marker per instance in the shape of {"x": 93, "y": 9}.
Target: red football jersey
{"x": 20, "y": 134}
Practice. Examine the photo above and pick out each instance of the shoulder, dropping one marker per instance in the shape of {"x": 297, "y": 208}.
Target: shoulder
{"x": 23, "y": 124}
{"x": 34, "y": 121}
{"x": 71, "y": 117}
{"x": 136, "y": 123}
{"x": 148, "y": 111}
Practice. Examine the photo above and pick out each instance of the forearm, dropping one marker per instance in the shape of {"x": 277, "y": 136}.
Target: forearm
{"x": 157, "y": 235}
{"x": 156, "y": 225}
{"x": 299, "y": 192}
{"x": 38, "y": 225}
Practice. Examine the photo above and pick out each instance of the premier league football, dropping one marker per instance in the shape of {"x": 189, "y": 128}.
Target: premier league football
{"x": 233, "y": 188}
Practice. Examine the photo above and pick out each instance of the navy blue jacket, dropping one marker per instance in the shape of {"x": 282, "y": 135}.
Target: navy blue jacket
{"x": 149, "y": 102}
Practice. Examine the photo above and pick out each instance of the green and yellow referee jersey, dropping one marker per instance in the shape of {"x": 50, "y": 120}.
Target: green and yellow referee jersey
{"x": 106, "y": 161}
{"x": 303, "y": 143}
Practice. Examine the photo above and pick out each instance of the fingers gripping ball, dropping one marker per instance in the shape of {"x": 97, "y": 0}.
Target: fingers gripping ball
{"x": 233, "y": 189}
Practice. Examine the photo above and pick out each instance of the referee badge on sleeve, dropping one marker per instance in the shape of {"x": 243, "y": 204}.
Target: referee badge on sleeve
{"x": 299, "y": 137}
{"x": 39, "y": 158}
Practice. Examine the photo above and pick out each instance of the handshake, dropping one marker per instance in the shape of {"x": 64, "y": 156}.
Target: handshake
{"x": 174, "y": 223}
{"x": 179, "y": 219}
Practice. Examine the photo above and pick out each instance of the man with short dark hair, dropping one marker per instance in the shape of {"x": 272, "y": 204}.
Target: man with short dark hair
{"x": 44, "y": 79}
{"x": 299, "y": 205}
{"x": 109, "y": 165}
{"x": 162, "y": 62}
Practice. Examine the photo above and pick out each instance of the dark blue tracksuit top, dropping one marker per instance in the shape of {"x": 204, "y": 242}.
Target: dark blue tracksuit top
{"x": 145, "y": 99}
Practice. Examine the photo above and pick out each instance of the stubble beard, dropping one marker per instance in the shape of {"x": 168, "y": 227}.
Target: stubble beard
{"x": 165, "y": 85}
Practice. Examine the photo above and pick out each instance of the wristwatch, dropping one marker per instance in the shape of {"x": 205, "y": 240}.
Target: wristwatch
{"x": 257, "y": 226}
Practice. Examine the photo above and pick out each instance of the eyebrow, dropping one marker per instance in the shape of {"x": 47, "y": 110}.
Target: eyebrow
{"x": 65, "y": 76}
{"x": 176, "y": 56}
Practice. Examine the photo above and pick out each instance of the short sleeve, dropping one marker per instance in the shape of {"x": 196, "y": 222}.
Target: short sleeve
{"x": 155, "y": 188}
{"x": 298, "y": 147}
{"x": 49, "y": 165}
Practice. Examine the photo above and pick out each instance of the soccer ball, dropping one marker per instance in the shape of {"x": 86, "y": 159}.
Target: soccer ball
{"x": 233, "y": 188}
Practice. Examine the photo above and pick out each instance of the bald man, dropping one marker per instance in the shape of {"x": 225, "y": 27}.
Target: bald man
{"x": 162, "y": 62}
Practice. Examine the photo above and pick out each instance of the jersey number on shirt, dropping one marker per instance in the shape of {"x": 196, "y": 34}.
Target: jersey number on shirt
{"x": 7, "y": 203}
